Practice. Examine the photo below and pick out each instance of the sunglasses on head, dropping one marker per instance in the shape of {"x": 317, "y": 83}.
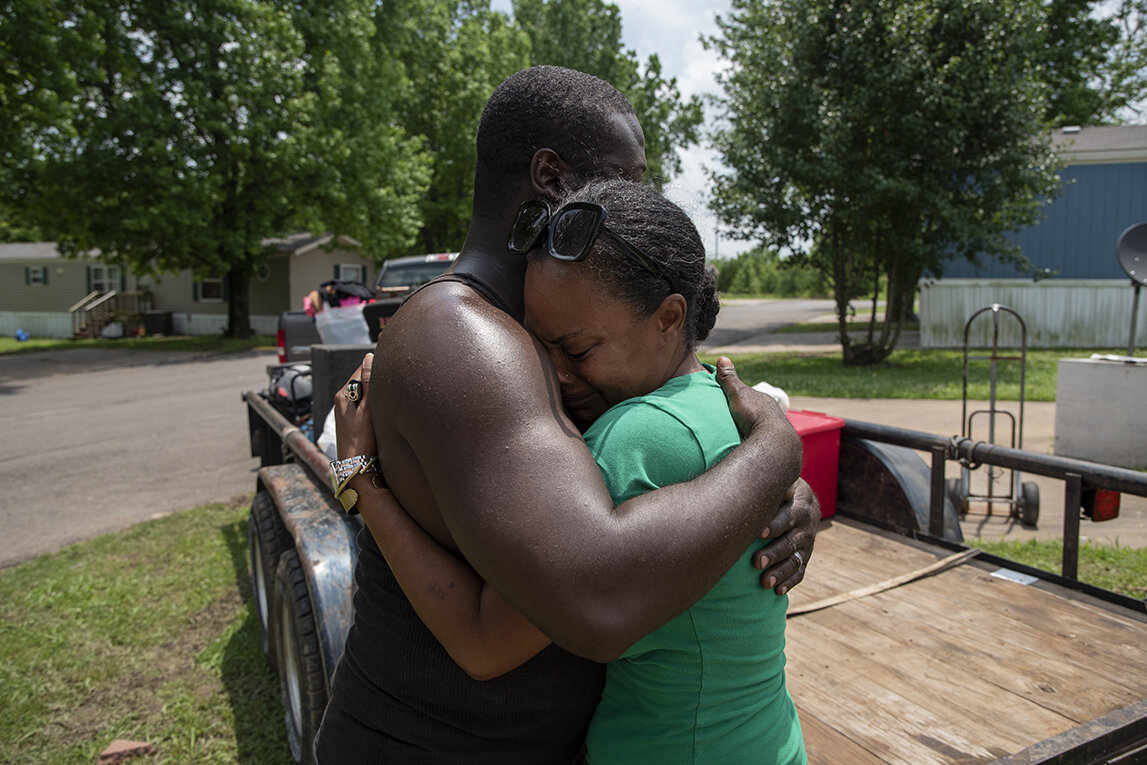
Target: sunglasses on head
{"x": 571, "y": 232}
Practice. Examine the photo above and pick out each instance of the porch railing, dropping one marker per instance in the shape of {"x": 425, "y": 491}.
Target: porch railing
{"x": 96, "y": 310}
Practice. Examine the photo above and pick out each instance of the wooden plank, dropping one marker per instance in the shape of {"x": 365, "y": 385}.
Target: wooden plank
{"x": 848, "y": 555}
{"x": 1077, "y": 632}
{"x": 892, "y": 727}
{"x": 959, "y": 710}
{"x": 827, "y": 746}
{"x": 885, "y": 585}
{"x": 958, "y": 667}
{"x": 1017, "y": 662}
{"x": 1102, "y": 737}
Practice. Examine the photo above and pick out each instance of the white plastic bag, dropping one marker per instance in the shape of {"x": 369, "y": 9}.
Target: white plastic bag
{"x": 343, "y": 326}
{"x": 328, "y": 439}
{"x": 778, "y": 395}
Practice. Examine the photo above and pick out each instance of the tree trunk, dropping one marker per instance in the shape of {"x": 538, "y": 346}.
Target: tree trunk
{"x": 238, "y": 304}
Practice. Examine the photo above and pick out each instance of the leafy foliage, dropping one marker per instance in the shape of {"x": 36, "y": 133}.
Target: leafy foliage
{"x": 586, "y": 35}
{"x": 1095, "y": 60}
{"x": 1075, "y": 52}
{"x": 455, "y": 54}
{"x": 762, "y": 272}
{"x": 180, "y": 135}
{"x": 881, "y": 138}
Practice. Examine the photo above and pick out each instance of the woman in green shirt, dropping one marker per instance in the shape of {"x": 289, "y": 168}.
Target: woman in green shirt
{"x": 618, "y": 293}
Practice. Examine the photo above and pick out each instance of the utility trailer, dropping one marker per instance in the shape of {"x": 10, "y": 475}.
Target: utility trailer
{"x": 904, "y": 645}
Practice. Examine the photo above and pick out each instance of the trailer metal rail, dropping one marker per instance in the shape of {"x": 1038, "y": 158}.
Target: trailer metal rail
{"x": 1077, "y": 475}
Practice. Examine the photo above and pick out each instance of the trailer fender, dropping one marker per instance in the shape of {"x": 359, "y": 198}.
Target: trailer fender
{"x": 325, "y": 539}
{"x": 891, "y": 486}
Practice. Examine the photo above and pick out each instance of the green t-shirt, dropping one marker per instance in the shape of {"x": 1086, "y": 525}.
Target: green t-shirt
{"x": 709, "y": 686}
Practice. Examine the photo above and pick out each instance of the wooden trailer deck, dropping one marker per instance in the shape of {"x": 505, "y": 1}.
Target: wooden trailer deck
{"x": 957, "y": 667}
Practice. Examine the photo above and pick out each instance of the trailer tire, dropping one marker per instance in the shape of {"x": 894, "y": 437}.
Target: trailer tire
{"x": 267, "y": 538}
{"x": 301, "y": 681}
{"x": 1029, "y": 504}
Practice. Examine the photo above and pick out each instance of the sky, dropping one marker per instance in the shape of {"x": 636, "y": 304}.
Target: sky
{"x": 672, "y": 29}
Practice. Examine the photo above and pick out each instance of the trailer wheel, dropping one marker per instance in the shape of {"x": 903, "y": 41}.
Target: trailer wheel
{"x": 301, "y": 679}
{"x": 266, "y": 541}
{"x": 1029, "y": 504}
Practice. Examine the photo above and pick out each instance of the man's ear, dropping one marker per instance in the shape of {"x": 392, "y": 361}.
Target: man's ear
{"x": 671, "y": 316}
{"x": 549, "y": 175}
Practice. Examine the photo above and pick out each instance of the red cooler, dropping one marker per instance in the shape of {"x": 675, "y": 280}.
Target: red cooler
{"x": 820, "y": 436}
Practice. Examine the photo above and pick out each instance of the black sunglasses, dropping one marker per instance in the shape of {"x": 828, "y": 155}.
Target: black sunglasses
{"x": 571, "y": 233}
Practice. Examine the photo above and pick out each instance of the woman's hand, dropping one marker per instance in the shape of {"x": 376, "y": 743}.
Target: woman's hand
{"x": 353, "y": 430}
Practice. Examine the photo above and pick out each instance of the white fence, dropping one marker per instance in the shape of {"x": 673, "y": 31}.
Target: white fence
{"x": 1058, "y": 313}
{"x": 59, "y": 324}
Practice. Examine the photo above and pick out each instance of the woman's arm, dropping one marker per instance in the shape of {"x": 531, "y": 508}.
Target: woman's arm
{"x": 484, "y": 635}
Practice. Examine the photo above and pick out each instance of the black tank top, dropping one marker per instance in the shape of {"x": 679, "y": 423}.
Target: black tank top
{"x": 473, "y": 282}
{"x": 417, "y": 706}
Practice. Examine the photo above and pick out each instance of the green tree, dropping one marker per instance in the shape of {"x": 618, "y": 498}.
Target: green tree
{"x": 586, "y": 35}
{"x": 1126, "y": 72}
{"x": 196, "y": 128}
{"x": 454, "y": 54}
{"x": 764, "y": 272}
{"x": 880, "y": 138}
{"x": 1079, "y": 63}
{"x": 37, "y": 96}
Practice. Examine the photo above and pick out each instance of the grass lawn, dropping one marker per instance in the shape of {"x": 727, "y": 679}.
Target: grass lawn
{"x": 908, "y": 373}
{"x": 151, "y": 635}
{"x": 147, "y": 635}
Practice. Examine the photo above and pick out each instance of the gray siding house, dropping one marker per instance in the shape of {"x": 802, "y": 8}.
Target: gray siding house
{"x": 44, "y": 293}
{"x": 1077, "y": 296}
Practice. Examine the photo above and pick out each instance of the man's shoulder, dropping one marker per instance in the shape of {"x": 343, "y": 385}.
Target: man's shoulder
{"x": 449, "y": 311}
{"x": 452, "y": 295}
{"x": 449, "y": 335}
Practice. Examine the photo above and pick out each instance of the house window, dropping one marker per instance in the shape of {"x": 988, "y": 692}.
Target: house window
{"x": 350, "y": 273}
{"x": 104, "y": 278}
{"x": 36, "y": 276}
{"x": 209, "y": 290}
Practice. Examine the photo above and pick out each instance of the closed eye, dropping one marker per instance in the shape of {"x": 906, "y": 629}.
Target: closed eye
{"x": 578, "y": 356}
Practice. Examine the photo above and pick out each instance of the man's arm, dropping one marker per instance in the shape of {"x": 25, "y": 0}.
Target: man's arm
{"x": 791, "y": 536}
{"x": 477, "y": 401}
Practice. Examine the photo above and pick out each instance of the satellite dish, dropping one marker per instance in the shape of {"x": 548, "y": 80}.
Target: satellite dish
{"x": 1132, "y": 252}
{"x": 1131, "y": 249}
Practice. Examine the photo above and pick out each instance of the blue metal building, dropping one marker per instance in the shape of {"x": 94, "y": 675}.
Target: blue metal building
{"x": 1083, "y": 298}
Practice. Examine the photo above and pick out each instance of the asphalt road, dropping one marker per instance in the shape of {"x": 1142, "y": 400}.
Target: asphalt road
{"x": 747, "y": 322}
{"x": 97, "y": 440}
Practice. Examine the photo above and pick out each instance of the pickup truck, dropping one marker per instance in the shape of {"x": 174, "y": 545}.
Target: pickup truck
{"x": 904, "y": 645}
{"x": 396, "y": 279}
